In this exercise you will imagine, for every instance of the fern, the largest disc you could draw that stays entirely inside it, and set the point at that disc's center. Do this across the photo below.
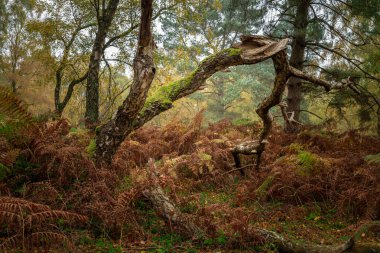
(13, 112)
(373, 158)
(30, 225)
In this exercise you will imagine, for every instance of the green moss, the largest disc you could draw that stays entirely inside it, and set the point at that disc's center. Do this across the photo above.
(242, 122)
(373, 158)
(307, 162)
(296, 147)
(205, 156)
(233, 51)
(263, 188)
(91, 148)
(126, 184)
(165, 95)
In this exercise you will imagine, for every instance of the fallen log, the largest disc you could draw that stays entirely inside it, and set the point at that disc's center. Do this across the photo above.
(165, 208)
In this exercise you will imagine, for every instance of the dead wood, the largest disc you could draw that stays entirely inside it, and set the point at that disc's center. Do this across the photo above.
(167, 209)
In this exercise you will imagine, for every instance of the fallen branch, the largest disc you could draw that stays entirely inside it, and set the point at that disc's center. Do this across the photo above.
(167, 209)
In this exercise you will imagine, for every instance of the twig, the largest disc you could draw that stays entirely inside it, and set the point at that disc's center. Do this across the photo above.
(236, 169)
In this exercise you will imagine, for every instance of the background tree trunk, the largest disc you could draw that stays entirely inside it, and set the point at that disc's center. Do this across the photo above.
(92, 92)
(297, 58)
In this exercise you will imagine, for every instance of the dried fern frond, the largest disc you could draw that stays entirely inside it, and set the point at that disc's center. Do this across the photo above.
(48, 238)
(8, 158)
(8, 217)
(373, 158)
(69, 217)
(11, 107)
(23, 204)
(12, 242)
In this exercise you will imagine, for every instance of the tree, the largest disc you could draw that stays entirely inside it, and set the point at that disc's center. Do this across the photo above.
(118, 37)
(105, 13)
(365, 106)
(136, 109)
(320, 30)
(64, 33)
(14, 43)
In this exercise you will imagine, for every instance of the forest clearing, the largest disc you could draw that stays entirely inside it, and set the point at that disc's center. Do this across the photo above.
(190, 126)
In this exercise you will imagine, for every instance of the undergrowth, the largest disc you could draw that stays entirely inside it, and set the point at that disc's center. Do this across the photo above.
(304, 179)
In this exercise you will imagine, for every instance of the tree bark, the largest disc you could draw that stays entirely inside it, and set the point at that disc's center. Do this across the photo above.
(14, 86)
(297, 58)
(378, 121)
(135, 113)
(137, 110)
(114, 132)
(60, 106)
(92, 91)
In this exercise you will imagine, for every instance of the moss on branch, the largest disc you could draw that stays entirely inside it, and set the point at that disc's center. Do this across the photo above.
(165, 95)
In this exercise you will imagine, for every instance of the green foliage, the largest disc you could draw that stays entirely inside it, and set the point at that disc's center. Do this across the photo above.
(107, 247)
(189, 207)
(264, 187)
(373, 158)
(296, 147)
(367, 8)
(220, 240)
(126, 184)
(242, 122)
(91, 148)
(167, 242)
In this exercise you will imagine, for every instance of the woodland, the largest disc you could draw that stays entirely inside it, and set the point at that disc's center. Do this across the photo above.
(190, 126)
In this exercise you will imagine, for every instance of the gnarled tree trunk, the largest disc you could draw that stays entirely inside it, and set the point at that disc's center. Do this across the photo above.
(114, 132)
(135, 111)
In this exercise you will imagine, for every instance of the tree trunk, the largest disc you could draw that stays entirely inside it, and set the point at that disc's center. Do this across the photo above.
(92, 91)
(378, 121)
(14, 86)
(57, 92)
(135, 111)
(297, 57)
(113, 133)
(58, 105)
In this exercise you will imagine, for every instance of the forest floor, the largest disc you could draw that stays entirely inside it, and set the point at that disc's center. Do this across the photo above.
(314, 187)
